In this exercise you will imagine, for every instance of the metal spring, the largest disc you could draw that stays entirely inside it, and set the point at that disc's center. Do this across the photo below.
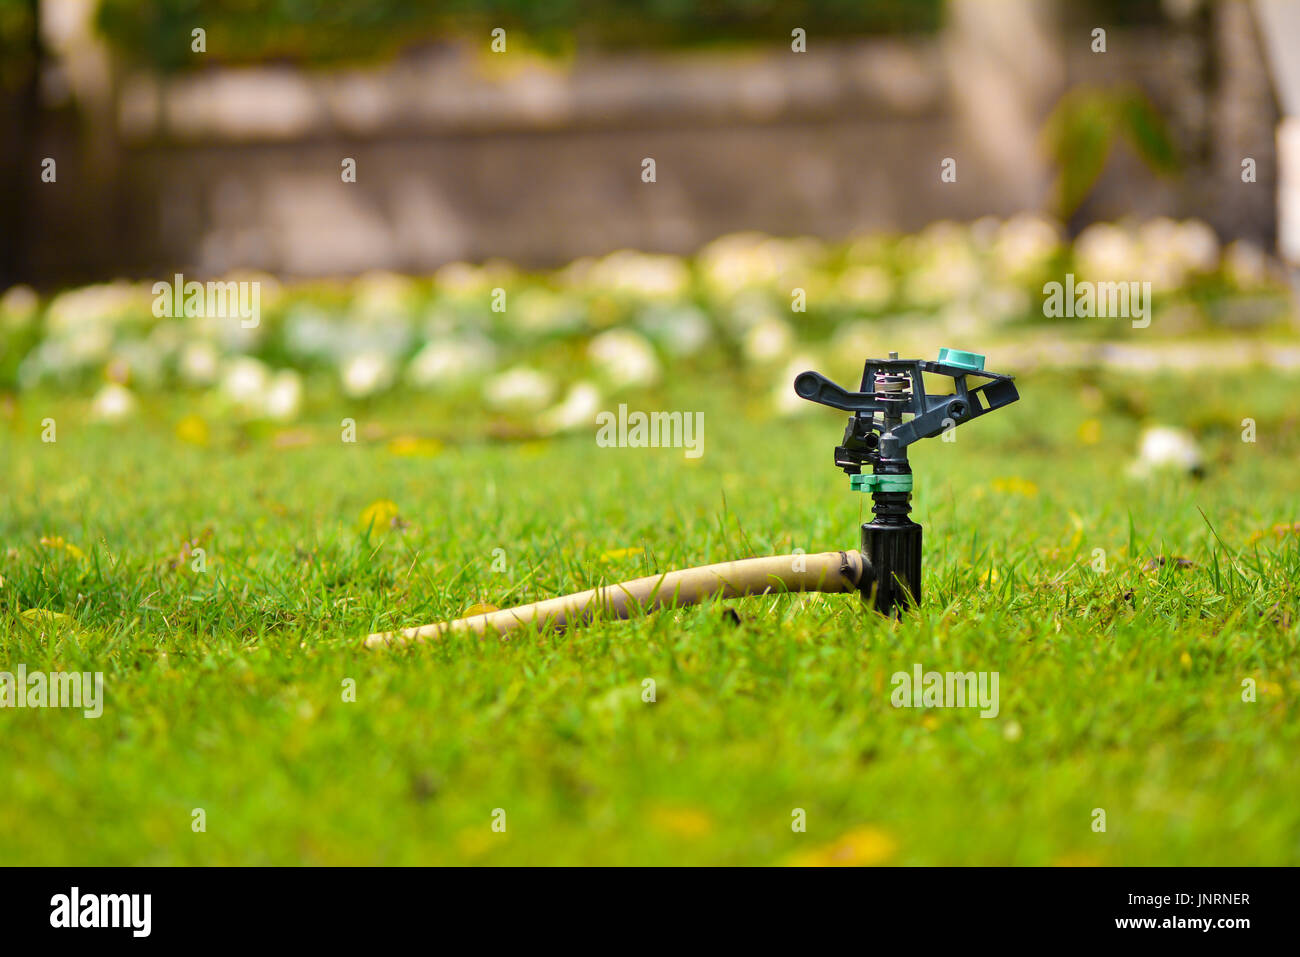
(891, 386)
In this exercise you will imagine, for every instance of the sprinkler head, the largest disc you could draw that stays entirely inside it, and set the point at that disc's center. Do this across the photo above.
(890, 411)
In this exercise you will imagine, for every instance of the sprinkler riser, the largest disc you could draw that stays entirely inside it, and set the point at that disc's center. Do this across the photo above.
(891, 553)
(891, 548)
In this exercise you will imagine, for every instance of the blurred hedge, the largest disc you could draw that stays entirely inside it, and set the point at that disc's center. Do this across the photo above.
(17, 48)
(157, 32)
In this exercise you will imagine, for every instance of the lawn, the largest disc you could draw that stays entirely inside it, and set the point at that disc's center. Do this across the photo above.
(226, 687)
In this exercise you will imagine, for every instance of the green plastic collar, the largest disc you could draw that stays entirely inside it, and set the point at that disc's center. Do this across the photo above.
(880, 483)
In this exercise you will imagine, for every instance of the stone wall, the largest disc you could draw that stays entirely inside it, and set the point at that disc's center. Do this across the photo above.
(462, 154)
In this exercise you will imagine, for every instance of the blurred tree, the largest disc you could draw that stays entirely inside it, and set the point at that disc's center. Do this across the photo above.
(1082, 129)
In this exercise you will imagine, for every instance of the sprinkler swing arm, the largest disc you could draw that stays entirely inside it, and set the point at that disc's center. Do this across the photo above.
(865, 439)
(885, 571)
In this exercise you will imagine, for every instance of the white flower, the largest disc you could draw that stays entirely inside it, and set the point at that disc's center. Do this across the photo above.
(578, 409)
(624, 358)
(784, 399)
(282, 400)
(768, 340)
(88, 346)
(465, 280)
(868, 287)
(639, 274)
(310, 333)
(387, 335)
(459, 277)
(59, 356)
(682, 330)
(1105, 252)
(732, 263)
(251, 388)
(1167, 447)
(1001, 303)
(102, 305)
(1196, 245)
(947, 267)
(440, 364)
(1024, 243)
(1169, 250)
(367, 373)
(112, 403)
(244, 382)
(35, 364)
(519, 388)
(198, 363)
(379, 293)
(541, 311)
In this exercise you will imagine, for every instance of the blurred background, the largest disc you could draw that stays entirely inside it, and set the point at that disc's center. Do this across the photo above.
(798, 146)
(230, 506)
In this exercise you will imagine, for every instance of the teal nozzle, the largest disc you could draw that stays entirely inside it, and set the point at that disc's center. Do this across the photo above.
(962, 360)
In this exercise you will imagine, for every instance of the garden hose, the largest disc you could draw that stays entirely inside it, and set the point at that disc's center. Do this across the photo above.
(831, 572)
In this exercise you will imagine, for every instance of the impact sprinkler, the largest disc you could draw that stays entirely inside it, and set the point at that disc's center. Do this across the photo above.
(878, 436)
(886, 570)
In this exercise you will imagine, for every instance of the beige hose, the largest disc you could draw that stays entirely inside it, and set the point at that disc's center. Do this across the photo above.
(824, 572)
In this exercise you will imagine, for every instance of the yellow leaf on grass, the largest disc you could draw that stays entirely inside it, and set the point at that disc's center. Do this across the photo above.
(1090, 431)
(984, 576)
(1078, 859)
(1077, 522)
(411, 446)
(44, 615)
(482, 608)
(57, 542)
(620, 553)
(861, 847)
(193, 430)
(1015, 486)
(1279, 531)
(477, 841)
(378, 515)
(681, 821)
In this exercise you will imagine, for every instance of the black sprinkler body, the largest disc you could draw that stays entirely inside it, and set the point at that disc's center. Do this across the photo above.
(878, 436)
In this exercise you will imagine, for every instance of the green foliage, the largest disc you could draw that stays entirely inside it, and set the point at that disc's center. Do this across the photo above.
(1081, 133)
(157, 32)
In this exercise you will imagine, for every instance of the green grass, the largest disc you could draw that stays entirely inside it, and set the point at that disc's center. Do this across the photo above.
(224, 689)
